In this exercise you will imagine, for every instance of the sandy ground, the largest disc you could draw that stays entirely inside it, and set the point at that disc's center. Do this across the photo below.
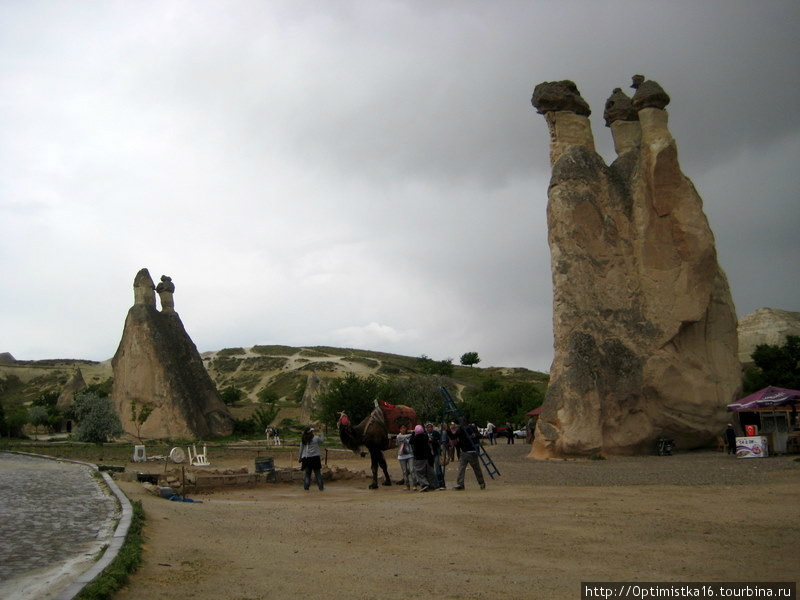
(537, 531)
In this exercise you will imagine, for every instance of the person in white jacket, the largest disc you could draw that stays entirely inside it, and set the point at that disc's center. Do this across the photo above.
(310, 457)
(405, 457)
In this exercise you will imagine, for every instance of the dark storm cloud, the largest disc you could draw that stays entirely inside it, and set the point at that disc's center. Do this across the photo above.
(359, 172)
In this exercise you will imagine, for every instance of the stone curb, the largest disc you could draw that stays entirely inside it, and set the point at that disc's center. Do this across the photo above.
(117, 540)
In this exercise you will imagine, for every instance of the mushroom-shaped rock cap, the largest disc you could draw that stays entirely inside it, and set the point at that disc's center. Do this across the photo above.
(551, 96)
(619, 108)
(648, 94)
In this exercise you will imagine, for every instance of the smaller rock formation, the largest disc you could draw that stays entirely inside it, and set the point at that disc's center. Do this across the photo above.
(566, 113)
(165, 290)
(158, 365)
(623, 120)
(765, 326)
(619, 108)
(553, 96)
(75, 384)
(7, 358)
(315, 386)
(649, 94)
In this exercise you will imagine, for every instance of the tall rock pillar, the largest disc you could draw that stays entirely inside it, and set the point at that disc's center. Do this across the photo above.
(158, 365)
(643, 320)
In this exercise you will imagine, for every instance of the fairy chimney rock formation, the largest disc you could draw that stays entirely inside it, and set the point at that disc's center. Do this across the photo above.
(158, 365)
(165, 290)
(643, 320)
(75, 384)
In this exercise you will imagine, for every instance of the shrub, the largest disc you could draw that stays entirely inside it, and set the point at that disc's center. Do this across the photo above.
(264, 363)
(245, 427)
(275, 350)
(38, 416)
(268, 396)
(231, 395)
(97, 418)
(230, 351)
(225, 364)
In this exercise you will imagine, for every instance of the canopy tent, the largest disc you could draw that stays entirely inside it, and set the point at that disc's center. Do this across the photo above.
(767, 398)
(535, 412)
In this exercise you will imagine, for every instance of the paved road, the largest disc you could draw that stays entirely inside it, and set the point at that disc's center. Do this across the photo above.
(54, 518)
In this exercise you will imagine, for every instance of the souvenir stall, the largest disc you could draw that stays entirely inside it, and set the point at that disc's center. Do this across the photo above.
(769, 420)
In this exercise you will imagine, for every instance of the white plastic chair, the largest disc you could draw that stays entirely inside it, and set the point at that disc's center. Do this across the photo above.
(198, 460)
(139, 454)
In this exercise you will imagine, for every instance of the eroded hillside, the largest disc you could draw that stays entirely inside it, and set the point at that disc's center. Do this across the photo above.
(290, 375)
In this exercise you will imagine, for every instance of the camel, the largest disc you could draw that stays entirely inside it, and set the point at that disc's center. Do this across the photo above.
(373, 433)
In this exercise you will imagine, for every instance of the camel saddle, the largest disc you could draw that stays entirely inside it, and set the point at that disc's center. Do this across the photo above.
(397, 415)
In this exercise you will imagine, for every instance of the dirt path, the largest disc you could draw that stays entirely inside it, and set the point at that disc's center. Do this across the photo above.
(538, 531)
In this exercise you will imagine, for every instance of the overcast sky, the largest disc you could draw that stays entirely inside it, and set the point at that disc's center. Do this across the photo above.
(359, 174)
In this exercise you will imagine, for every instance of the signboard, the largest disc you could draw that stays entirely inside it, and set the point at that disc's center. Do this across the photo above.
(752, 447)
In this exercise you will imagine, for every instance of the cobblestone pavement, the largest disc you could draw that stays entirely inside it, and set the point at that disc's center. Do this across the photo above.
(54, 518)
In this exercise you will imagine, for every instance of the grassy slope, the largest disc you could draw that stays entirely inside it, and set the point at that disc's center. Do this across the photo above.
(282, 369)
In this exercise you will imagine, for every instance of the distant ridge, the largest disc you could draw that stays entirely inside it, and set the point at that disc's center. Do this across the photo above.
(765, 326)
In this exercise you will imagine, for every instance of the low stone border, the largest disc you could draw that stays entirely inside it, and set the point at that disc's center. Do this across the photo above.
(201, 480)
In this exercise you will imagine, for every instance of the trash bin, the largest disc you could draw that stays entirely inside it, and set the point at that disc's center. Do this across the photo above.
(264, 465)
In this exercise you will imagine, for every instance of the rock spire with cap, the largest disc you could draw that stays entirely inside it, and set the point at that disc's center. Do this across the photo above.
(158, 365)
(643, 320)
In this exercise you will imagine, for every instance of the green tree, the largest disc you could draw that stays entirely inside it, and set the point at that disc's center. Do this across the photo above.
(420, 392)
(3, 425)
(351, 394)
(97, 419)
(263, 416)
(231, 395)
(54, 420)
(16, 420)
(38, 416)
(499, 403)
(774, 365)
(140, 414)
(469, 359)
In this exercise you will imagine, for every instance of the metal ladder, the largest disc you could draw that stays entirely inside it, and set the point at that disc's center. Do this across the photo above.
(450, 408)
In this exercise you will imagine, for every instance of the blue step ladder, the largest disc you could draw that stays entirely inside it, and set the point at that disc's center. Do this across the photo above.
(450, 408)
